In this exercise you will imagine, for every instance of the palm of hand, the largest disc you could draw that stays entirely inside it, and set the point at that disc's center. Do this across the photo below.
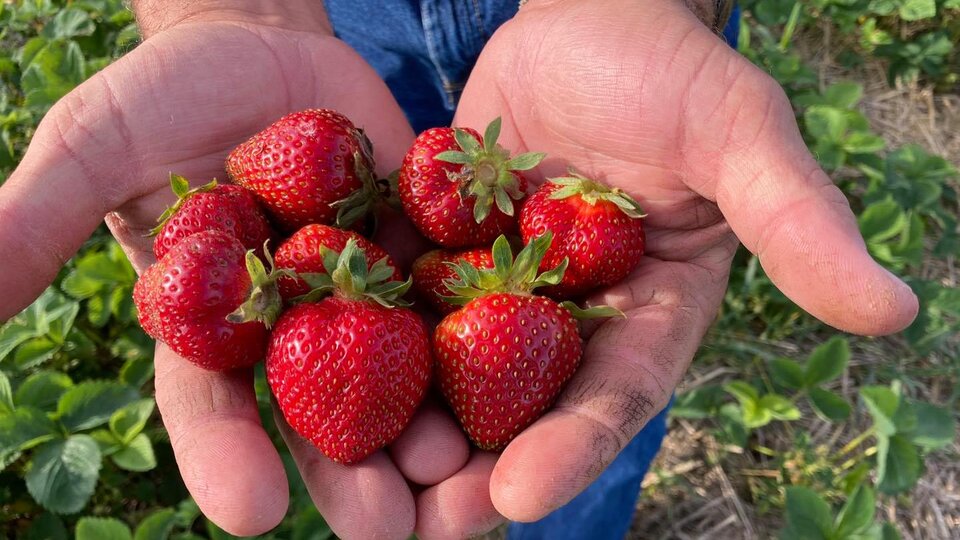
(192, 106)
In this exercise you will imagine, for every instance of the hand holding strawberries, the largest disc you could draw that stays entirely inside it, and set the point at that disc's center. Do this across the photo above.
(641, 95)
(635, 94)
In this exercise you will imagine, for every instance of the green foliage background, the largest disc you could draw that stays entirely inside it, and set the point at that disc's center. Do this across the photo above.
(82, 454)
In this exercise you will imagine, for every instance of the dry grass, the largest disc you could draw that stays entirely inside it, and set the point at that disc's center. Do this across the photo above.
(696, 489)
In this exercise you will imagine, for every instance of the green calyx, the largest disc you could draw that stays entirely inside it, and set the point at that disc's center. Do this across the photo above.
(181, 188)
(592, 192)
(487, 169)
(264, 303)
(508, 275)
(520, 275)
(348, 275)
(363, 201)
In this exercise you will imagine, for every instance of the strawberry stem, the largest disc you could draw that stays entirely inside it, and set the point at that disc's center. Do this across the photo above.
(349, 276)
(181, 188)
(486, 171)
(263, 302)
(594, 191)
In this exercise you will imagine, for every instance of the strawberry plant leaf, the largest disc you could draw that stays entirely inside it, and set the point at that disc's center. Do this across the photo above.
(156, 526)
(95, 528)
(35, 352)
(91, 403)
(136, 371)
(916, 10)
(136, 456)
(786, 373)
(808, 516)
(881, 221)
(828, 405)
(43, 389)
(826, 123)
(889, 532)
(53, 70)
(67, 23)
(6, 394)
(931, 427)
(703, 402)
(882, 403)
(899, 465)
(47, 526)
(64, 473)
(21, 430)
(732, 428)
(856, 516)
(780, 407)
(827, 362)
(310, 525)
(127, 422)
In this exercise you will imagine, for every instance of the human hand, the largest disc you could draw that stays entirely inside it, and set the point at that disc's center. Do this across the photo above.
(643, 96)
(179, 102)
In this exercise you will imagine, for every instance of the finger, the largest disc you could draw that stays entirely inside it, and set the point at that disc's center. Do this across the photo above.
(460, 507)
(432, 448)
(631, 366)
(225, 457)
(369, 499)
(781, 204)
(55, 198)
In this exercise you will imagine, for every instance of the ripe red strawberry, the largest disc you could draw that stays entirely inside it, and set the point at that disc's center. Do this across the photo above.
(301, 253)
(349, 371)
(210, 301)
(312, 166)
(431, 270)
(597, 228)
(504, 357)
(459, 189)
(223, 207)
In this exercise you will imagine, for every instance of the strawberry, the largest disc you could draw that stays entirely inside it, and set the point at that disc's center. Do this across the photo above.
(223, 207)
(301, 254)
(459, 189)
(504, 357)
(432, 269)
(349, 371)
(210, 301)
(598, 229)
(312, 166)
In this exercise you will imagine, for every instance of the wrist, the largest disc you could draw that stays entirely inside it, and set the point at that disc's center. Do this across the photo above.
(154, 16)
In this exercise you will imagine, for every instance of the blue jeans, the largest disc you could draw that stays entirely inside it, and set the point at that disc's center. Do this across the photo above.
(424, 51)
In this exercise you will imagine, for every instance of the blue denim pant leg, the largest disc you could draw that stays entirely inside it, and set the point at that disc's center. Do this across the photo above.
(605, 509)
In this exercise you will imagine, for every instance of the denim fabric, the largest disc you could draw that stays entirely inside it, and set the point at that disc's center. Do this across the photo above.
(605, 509)
(424, 51)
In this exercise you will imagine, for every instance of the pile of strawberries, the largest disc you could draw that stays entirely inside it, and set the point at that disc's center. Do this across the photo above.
(346, 357)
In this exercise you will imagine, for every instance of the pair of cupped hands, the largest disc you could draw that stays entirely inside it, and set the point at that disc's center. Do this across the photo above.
(639, 94)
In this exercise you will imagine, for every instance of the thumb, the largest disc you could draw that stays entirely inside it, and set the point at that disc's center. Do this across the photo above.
(784, 208)
(57, 196)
